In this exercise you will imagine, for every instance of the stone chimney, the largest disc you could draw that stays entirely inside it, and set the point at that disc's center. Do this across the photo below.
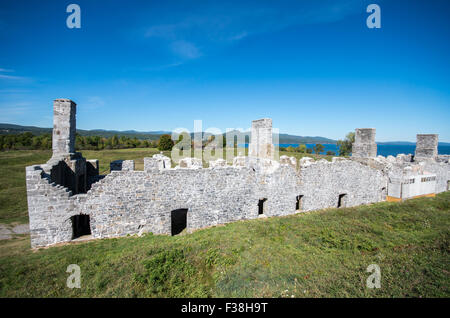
(364, 145)
(261, 139)
(426, 146)
(64, 127)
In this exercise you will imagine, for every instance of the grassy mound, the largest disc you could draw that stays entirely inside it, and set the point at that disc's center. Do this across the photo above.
(318, 254)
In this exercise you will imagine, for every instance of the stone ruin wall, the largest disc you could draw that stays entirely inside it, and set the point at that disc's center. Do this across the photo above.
(134, 202)
(128, 202)
(426, 146)
(261, 144)
(364, 145)
(323, 182)
(50, 207)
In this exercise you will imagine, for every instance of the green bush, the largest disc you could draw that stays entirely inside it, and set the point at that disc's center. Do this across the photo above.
(345, 146)
(318, 148)
(301, 148)
(165, 143)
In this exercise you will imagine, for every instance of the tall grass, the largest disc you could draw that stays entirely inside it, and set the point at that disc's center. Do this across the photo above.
(317, 254)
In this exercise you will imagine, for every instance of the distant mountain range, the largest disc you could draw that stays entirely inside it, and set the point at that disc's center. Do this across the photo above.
(289, 139)
(407, 143)
(397, 143)
(17, 129)
(154, 135)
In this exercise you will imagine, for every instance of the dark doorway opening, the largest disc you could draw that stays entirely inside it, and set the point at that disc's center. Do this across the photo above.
(261, 206)
(179, 220)
(81, 184)
(298, 203)
(342, 201)
(80, 225)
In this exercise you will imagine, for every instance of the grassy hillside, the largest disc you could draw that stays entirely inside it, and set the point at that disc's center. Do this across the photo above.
(318, 254)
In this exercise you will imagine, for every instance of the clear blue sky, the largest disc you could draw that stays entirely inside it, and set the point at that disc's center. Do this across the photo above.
(312, 66)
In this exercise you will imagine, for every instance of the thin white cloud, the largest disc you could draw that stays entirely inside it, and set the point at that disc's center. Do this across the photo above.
(239, 36)
(94, 102)
(10, 112)
(11, 77)
(185, 49)
(162, 67)
(6, 77)
(13, 91)
(167, 31)
(209, 25)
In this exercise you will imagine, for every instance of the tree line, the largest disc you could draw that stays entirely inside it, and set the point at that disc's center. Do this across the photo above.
(344, 147)
(28, 141)
(317, 149)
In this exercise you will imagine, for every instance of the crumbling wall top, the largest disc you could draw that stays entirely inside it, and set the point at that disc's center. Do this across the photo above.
(364, 145)
(365, 135)
(426, 146)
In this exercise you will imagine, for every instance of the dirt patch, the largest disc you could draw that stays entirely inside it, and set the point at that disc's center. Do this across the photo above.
(7, 231)
(21, 229)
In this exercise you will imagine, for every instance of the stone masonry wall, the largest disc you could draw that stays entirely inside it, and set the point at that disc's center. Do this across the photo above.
(442, 171)
(426, 146)
(132, 202)
(49, 209)
(364, 145)
(322, 182)
(135, 202)
(261, 145)
(157, 162)
(121, 165)
(64, 126)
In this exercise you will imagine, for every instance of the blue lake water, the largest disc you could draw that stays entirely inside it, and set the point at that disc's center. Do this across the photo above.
(383, 150)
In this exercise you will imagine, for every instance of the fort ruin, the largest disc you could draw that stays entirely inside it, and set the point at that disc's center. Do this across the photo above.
(68, 199)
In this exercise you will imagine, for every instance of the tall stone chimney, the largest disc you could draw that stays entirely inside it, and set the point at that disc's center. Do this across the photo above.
(426, 146)
(261, 139)
(364, 145)
(64, 127)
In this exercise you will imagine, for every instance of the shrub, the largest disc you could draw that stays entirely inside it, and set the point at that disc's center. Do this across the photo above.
(165, 142)
(345, 146)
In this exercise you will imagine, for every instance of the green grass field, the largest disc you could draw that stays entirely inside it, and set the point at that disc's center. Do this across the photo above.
(317, 254)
